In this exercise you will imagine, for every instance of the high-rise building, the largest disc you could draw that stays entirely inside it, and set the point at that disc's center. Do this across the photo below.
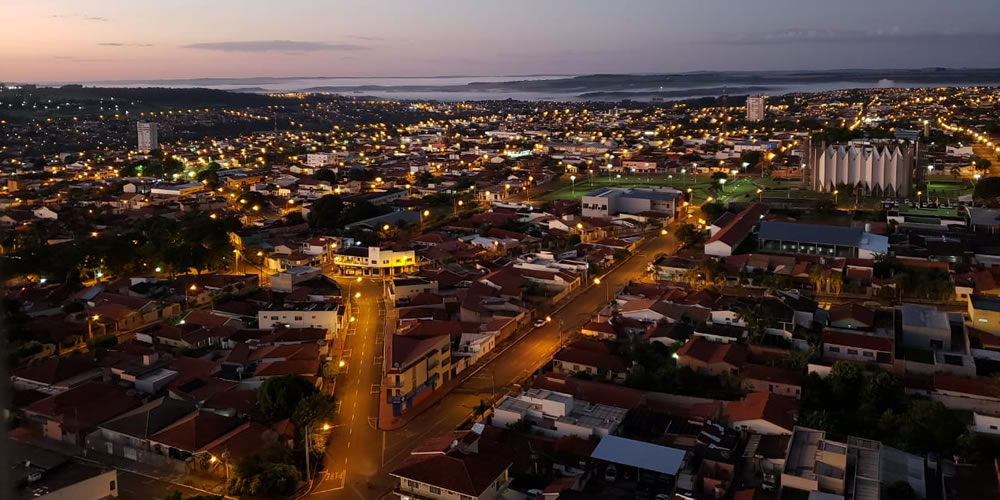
(148, 140)
(755, 108)
(880, 169)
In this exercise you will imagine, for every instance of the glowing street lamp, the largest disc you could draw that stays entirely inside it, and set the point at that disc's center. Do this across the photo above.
(836, 192)
(572, 179)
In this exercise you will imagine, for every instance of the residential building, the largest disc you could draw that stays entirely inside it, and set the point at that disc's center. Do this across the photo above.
(711, 358)
(416, 367)
(755, 107)
(984, 310)
(652, 462)
(302, 315)
(40, 474)
(445, 468)
(402, 290)
(71, 415)
(925, 327)
(607, 202)
(763, 413)
(815, 463)
(852, 345)
(558, 414)
(148, 139)
(592, 357)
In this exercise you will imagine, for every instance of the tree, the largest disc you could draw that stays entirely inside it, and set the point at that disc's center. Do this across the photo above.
(845, 378)
(756, 320)
(326, 212)
(719, 179)
(270, 473)
(817, 276)
(278, 397)
(956, 171)
(689, 235)
(102, 342)
(713, 210)
(325, 174)
(751, 158)
(987, 189)
(982, 164)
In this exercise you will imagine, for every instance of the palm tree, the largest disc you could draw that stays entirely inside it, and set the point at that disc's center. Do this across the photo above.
(835, 283)
(956, 171)
(755, 319)
(816, 276)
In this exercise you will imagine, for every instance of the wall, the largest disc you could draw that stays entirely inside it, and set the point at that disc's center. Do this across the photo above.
(988, 424)
(299, 319)
(95, 488)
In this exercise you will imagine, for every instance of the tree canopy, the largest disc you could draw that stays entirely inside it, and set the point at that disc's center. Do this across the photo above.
(278, 397)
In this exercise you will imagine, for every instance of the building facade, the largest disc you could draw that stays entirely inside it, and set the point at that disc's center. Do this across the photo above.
(147, 140)
(879, 169)
(755, 108)
(607, 202)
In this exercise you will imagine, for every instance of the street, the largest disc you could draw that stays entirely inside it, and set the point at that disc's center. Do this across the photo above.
(359, 457)
(355, 446)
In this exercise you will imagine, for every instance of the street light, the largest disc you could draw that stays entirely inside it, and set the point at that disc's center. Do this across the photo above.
(357, 295)
(572, 179)
(760, 194)
(835, 197)
(919, 194)
(326, 427)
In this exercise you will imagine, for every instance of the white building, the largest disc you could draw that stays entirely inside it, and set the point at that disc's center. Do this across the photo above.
(375, 261)
(606, 202)
(148, 139)
(317, 160)
(557, 414)
(755, 108)
(884, 169)
(307, 315)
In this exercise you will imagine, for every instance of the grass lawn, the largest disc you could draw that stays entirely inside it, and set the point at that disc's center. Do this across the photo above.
(736, 190)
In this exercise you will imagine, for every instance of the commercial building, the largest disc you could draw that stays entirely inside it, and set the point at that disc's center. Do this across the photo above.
(41, 474)
(147, 136)
(880, 169)
(822, 240)
(606, 202)
(416, 367)
(558, 414)
(755, 108)
(177, 190)
(375, 261)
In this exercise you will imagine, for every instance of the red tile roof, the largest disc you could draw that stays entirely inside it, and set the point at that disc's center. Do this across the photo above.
(469, 474)
(84, 406)
(195, 431)
(859, 340)
(739, 227)
(778, 410)
(709, 352)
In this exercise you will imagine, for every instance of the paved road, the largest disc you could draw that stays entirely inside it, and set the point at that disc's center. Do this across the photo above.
(355, 446)
(368, 459)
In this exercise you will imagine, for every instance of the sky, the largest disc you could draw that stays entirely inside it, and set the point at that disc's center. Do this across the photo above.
(92, 40)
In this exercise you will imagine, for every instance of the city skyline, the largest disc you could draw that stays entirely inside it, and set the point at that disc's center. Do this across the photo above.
(59, 41)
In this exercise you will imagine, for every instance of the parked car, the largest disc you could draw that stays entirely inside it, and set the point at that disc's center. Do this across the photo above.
(539, 323)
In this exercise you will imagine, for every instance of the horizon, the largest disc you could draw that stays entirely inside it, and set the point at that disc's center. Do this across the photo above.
(113, 40)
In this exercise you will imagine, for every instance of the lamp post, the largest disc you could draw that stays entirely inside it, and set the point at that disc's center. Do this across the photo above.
(572, 179)
(760, 194)
(90, 325)
(309, 426)
(527, 189)
(684, 172)
(548, 319)
(836, 198)
(458, 203)
(919, 194)
(607, 292)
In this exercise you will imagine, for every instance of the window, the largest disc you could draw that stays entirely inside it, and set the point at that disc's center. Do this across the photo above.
(435, 490)
(413, 484)
(992, 427)
(868, 354)
(274, 318)
(465, 497)
(853, 352)
(937, 344)
(982, 320)
(112, 485)
(298, 318)
(833, 349)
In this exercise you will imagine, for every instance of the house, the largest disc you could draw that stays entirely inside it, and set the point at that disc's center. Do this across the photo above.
(733, 230)
(772, 379)
(851, 315)
(557, 414)
(712, 358)
(592, 357)
(652, 462)
(606, 202)
(302, 315)
(763, 413)
(452, 469)
(41, 474)
(853, 345)
(984, 310)
(128, 435)
(58, 373)
(925, 327)
(416, 367)
(196, 432)
(71, 415)
(815, 463)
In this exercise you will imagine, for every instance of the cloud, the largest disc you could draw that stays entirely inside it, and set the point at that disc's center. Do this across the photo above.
(275, 46)
(83, 17)
(121, 44)
(84, 59)
(885, 35)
